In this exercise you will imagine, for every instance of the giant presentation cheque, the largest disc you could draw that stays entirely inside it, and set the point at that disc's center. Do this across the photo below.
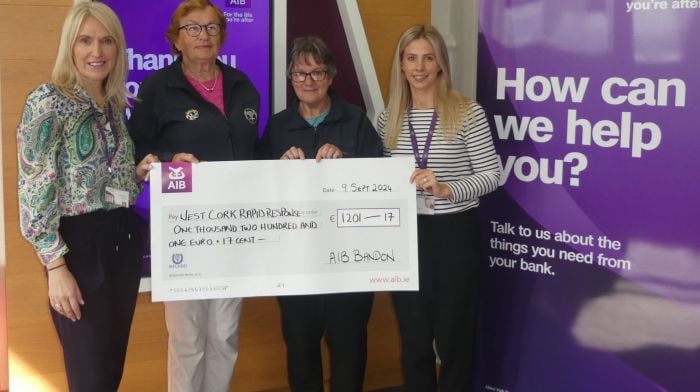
(253, 228)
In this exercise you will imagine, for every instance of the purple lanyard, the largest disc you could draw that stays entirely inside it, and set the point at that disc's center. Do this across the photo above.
(422, 161)
(103, 135)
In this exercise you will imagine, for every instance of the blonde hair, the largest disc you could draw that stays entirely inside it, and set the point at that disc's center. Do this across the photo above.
(449, 103)
(184, 9)
(65, 75)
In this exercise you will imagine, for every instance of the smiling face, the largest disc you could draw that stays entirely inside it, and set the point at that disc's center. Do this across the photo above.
(420, 66)
(204, 47)
(311, 92)
(94, 53)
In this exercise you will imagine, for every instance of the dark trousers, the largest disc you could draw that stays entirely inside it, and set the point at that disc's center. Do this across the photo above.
(445, 307)
(105, 259)
(343, 319)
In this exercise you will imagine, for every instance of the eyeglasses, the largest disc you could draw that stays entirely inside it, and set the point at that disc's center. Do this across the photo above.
(299, 77)
(193, 30)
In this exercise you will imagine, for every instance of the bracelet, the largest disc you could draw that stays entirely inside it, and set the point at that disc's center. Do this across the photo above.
(56, 267)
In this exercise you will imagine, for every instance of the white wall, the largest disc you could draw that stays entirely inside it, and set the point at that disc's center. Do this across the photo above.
(458, 20)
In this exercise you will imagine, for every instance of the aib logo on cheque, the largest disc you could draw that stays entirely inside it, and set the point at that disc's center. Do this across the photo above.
(176, 177)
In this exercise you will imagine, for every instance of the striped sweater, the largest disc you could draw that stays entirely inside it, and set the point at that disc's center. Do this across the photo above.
(468, 164)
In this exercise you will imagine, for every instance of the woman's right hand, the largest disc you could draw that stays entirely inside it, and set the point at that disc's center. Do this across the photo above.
(293, 153)
(64, 295)
(143, 169)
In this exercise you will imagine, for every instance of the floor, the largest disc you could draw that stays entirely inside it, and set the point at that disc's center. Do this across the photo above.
(394, 389)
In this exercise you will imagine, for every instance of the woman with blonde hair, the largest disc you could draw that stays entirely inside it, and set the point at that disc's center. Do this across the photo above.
(76, 182)
(456, 163)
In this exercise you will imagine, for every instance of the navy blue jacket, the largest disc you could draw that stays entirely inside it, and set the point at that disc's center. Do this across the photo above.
(346, 127)
(171, 117)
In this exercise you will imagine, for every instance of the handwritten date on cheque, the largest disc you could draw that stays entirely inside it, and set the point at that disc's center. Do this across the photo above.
(355, 187)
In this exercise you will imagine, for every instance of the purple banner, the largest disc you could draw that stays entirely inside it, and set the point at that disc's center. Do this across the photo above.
(238, 3)
(593, 242)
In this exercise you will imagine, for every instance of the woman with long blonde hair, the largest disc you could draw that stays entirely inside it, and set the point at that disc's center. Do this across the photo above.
(456, 163)
(76, 182)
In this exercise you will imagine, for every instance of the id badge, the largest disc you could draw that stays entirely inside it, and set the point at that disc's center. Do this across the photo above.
(117, 196)
(425, 205)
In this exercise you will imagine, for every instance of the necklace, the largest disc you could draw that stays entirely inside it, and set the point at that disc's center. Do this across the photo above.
(213, 86)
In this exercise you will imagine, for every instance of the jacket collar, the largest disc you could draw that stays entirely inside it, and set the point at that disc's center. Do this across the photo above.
(297, 122)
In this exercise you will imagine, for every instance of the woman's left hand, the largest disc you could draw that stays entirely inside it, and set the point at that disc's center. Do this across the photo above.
(64, 294)
(143, 169)
(328, 151)
(426, 180)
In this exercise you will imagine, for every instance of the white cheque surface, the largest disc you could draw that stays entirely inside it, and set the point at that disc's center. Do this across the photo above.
(258, 228)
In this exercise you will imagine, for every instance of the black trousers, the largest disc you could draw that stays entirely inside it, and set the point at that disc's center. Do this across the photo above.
(444, 310)
(105, 252)
(343, 319)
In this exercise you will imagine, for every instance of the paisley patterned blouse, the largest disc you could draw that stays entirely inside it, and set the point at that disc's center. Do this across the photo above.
(64, 146)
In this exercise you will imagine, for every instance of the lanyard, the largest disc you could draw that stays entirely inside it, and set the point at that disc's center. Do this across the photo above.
(103, 135)
(422, 160)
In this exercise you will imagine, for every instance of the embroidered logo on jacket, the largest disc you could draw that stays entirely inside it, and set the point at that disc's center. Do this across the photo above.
(192, 114)
(251, 115)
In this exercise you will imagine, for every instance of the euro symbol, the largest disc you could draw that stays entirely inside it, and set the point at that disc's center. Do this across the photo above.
(332, 218)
